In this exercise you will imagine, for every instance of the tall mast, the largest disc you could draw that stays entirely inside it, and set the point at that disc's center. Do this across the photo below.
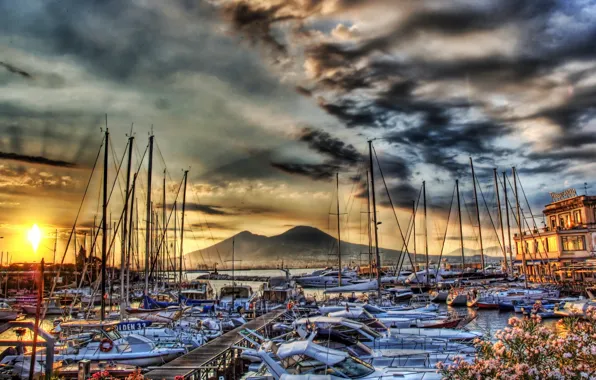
(500, 214)
(123, 254)
(368, 221)
(414, 232)
(148, 217)
(461, 230)
(478, 216)
(519, 225)
(425, 232)
(55, 248)
(182, 232)
(175, 242)
(104, 225)
(338, 232)
(508, 224)
(130, 237)
(164, 231)
(233, 274)
(374, 199)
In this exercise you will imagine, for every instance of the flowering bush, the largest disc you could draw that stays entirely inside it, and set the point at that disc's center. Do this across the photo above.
(529, 350)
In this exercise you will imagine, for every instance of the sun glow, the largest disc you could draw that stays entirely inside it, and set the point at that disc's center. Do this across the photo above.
(34, 237)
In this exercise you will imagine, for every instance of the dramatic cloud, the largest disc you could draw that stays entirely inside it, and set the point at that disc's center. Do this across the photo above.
(35, 160)
(15, 70)
(227, 87)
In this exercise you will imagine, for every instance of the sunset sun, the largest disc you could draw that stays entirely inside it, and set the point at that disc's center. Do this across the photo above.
(34, 237)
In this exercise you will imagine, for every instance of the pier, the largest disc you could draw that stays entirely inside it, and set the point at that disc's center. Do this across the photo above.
(218, 357)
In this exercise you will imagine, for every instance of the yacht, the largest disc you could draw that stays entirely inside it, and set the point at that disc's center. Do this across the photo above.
(306, 359)
(327, 279)
(101, 341)
(233, 297)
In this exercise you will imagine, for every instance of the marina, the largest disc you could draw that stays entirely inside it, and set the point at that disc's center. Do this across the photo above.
(297, 190)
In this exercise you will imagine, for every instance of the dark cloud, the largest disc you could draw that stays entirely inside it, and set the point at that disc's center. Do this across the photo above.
(314, 171)
(35, 160)
(206, 209)
(15, 70)
(323, 142)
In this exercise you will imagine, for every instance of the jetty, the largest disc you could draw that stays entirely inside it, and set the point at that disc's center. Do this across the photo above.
(219, 356)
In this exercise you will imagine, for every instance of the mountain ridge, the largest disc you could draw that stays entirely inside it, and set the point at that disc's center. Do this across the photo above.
(299, 246)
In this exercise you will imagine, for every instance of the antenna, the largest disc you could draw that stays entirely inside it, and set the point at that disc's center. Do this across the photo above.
(586, 188)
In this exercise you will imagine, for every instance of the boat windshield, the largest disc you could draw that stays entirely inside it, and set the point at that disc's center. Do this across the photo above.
(112, 333)
(353, 368)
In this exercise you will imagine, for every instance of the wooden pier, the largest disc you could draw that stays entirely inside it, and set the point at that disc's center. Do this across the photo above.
(217, 357)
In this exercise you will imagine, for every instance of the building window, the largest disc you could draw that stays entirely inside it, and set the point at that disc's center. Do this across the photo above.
(574, 243)
(577, 217)
(551, 243)
(553, 222)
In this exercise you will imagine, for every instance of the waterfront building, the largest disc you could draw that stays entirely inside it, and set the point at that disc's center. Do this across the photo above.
(564, 249)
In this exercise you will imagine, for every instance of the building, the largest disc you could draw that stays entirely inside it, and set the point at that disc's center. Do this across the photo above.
(565, 248)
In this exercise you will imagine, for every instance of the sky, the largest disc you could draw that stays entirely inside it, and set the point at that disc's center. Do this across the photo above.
(264, 101)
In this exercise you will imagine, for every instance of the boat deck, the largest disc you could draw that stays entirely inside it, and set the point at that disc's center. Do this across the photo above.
(200, 357)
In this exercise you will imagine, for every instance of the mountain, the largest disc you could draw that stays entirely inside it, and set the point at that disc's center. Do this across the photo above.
(298, 246)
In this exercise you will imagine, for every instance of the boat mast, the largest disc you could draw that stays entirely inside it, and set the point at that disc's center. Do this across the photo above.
(478, 216)
(519, 225)
(104, 225)
(415, 269)
(166, 272)
(130, 236)
(175, 242)
(372, 184)
(426, 233)
(182, 233)
(500, 214)
(55, 248)
(370, 271)
(338, 232)
(123, 253)
(461, 230)
(233, 276)
(508, 223)
(148, 221)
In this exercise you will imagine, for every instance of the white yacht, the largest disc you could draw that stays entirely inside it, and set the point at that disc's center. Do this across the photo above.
(327, 279)
(101, 341)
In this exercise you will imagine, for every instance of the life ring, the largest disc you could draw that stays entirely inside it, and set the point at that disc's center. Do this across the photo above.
(106, 345)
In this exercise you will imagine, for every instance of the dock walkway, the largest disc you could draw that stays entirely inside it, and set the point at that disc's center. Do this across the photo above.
(211, 356)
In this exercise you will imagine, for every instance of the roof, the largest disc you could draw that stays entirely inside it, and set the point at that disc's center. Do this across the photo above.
(305, 347)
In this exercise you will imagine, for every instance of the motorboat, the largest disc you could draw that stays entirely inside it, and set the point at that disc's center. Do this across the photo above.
(327, 279)
(575, 308)
(457, 297)
(400, 294)
(101, 341)
(7, 312)
(234, 297)
(305, 359)
(197, 292)
(279, 290)
(359, 286)
(52, 306)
